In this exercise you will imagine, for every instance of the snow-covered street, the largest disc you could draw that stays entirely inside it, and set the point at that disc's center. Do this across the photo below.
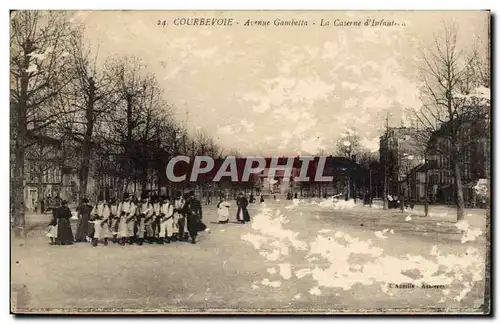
(294, 255)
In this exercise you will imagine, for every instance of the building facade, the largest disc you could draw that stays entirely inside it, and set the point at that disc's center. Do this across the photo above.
(43, 170)
(472, 157)
(400, 151)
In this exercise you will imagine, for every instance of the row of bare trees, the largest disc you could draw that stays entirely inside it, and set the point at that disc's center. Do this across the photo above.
(112, 117)
(455, 98)
(455, 108)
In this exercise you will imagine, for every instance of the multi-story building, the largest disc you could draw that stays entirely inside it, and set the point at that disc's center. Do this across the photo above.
(43, 169)
(472, 157)
(400, 151)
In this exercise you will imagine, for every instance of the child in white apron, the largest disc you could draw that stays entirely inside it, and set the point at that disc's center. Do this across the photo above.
(223, 211)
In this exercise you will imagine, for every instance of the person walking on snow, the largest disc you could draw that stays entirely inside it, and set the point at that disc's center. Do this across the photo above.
(242, 215)
(126, 210)
(101, 214)
(223, 211)
(166, 220)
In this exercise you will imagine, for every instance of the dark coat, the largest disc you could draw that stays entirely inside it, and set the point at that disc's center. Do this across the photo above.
(194, 215)
(64, 232)
(84, 227)
(242, 203)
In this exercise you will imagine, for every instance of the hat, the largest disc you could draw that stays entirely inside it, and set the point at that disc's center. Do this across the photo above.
(126, 195)
(64, 203)
(100, 197)
(85, 201)
(144, 195)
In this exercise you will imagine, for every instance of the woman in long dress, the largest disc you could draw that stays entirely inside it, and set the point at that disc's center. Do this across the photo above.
(84, 226)
(223, 211)
(64, 232)
(242, 215)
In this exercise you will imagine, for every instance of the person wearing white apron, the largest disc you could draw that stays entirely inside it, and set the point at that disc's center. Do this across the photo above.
(156, 202)
(223, 211)
(115, 219)
(145, 211)
(166, 221)
(127, 211)
(150, 221)
(101, 214)
(179, 218)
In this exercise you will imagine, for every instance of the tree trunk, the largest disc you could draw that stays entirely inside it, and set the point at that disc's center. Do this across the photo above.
(18, 207)
(385, 189)
(17, 200)
(84, 172)
(87, 141)
(459, 192)
(39, 188)
(426, 199)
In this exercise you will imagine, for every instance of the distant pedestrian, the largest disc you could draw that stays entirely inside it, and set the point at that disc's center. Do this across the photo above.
(261, 199)
(242, 215)
(64, 232)
(223, 211)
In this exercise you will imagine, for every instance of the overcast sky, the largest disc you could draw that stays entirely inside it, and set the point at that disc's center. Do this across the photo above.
(282, 90)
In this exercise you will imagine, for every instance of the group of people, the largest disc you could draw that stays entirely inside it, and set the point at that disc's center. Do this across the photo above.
(242, 215)
(152, 219)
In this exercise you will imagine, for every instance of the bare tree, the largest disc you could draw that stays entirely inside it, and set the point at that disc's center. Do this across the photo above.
(90, 95)
(348, 145)
(449, 79)
(124, 122)
(38, 69)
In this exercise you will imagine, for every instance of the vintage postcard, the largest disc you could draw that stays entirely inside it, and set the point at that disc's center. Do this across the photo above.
(249, 162)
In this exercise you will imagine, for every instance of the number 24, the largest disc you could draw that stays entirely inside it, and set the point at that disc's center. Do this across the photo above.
(162, 23)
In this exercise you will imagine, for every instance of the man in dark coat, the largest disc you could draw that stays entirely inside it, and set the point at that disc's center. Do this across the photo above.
(242, 215)
(194, 215)
(64, 232)
(85, 228)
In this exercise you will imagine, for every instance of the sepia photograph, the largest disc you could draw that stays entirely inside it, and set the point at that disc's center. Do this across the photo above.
(250, 162)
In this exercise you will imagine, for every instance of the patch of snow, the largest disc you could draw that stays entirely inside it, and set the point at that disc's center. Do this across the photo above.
(302, 273)
(286, 270)
(269, 283)
(380, 235)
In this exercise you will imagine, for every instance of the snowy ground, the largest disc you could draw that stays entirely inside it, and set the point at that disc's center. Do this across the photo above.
(293, 256)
